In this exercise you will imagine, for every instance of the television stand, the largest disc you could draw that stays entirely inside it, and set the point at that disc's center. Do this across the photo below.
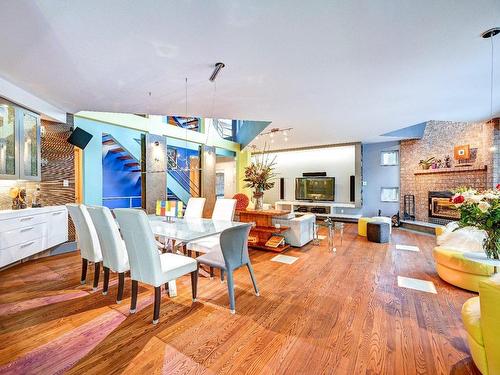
(320, 209)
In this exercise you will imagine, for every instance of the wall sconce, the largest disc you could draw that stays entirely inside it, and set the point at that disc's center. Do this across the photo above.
(156, 151)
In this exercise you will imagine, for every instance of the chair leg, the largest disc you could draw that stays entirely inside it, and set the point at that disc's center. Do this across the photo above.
(97, 269)
(230, 290)
(197, 253)
(84, 271)
(190, 253)
(194, 282)
(105, 283)
(121, 284)
(156, 311)
(166, 287)
(221, 276)
(211, 272)
(133, 300)
(252, 276)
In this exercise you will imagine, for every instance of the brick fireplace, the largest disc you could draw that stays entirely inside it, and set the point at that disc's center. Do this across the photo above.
(439, 140)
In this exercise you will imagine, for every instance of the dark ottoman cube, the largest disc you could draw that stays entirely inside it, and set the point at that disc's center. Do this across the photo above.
(378, 232)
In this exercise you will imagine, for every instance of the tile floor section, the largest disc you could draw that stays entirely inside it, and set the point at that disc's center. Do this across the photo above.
(287, 259)
(416, 284)
(407, 247)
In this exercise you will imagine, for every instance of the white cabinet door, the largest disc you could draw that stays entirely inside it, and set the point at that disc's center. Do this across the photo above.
(58, 227)
(14, 253)
(21, 235)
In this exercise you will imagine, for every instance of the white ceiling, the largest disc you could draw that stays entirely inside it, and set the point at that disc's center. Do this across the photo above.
(335, 71)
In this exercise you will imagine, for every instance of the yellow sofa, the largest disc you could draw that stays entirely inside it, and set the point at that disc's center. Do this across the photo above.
(481, 318)
(455, 269)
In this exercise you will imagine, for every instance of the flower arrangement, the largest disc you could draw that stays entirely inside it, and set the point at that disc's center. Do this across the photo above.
(481, 210)
(258, 176)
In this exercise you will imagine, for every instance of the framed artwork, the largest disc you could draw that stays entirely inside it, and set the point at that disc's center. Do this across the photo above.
(462, 152)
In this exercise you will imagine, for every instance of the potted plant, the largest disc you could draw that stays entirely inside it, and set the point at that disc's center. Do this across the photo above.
(258, 176)
(426, 164)
(481, 210)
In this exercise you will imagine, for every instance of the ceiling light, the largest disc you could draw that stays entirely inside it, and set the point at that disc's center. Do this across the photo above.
(216, 71)
(489, 34)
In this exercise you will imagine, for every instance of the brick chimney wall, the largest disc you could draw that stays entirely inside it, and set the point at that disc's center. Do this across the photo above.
(439, 140)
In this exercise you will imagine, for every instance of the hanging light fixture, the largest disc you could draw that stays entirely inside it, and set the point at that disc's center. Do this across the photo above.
(489, 34)
(217, 68)
(275, 131)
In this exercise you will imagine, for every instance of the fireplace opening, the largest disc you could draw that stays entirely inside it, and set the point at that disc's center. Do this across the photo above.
(441, 210)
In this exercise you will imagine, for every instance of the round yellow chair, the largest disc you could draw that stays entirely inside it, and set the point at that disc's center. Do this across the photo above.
(455, 269)
(481, 318)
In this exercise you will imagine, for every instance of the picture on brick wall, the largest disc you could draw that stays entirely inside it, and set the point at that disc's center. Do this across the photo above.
(462, 152)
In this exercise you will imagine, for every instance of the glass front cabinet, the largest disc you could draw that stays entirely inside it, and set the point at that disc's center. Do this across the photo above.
(19, 143)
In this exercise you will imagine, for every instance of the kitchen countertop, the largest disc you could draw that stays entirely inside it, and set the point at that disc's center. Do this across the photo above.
(9, 214)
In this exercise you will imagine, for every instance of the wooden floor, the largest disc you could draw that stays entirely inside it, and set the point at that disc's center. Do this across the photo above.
(326, 313)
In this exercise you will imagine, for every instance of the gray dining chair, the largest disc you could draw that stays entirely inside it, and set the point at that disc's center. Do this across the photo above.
(234, 254)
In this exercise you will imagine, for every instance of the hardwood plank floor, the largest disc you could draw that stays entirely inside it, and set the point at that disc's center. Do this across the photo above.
(326, 313)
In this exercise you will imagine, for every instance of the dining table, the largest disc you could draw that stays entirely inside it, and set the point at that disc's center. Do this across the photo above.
(184, 230)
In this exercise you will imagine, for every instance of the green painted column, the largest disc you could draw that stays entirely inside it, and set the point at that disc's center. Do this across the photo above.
(243, 159)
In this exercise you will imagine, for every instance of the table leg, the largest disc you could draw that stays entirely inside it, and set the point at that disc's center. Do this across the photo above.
(331, 240)
(172, 288)
(316, 241)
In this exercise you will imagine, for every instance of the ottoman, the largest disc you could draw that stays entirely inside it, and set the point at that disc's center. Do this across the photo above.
(383, 219)
(378, 232)
(362, 221)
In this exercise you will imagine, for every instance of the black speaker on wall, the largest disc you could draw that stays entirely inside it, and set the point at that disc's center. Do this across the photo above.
(352, 184)
(314, 174)
(282, 188)
(80, 138)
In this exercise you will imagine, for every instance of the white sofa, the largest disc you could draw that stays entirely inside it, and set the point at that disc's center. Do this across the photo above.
(301, 229)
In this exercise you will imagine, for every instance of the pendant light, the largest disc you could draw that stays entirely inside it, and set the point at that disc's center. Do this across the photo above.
(489, 34)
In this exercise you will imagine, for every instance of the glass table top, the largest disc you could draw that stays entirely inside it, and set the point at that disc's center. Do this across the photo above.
(186, 230)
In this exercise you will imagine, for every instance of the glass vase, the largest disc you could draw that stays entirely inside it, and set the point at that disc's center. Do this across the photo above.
(259, 200)
(491, 244)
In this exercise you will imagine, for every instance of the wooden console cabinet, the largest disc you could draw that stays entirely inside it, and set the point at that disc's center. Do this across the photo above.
(264, 227)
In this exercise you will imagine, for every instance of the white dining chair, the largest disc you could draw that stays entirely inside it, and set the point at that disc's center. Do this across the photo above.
(87, 239)
(194, 208)
(224, 209)
(114, 253)
(146, 264)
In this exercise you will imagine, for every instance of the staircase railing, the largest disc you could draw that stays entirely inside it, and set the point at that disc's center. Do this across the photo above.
(183, 178)
(224, 128)
(129, 198)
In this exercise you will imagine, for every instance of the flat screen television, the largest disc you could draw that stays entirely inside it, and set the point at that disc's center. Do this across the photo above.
(315, 188)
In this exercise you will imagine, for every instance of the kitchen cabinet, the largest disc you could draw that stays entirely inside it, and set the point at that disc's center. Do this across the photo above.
(20, 143)
(29, 231)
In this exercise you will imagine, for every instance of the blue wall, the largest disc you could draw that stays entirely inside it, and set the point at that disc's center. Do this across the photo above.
(92, 155)
(119, 181)
(377, 176)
